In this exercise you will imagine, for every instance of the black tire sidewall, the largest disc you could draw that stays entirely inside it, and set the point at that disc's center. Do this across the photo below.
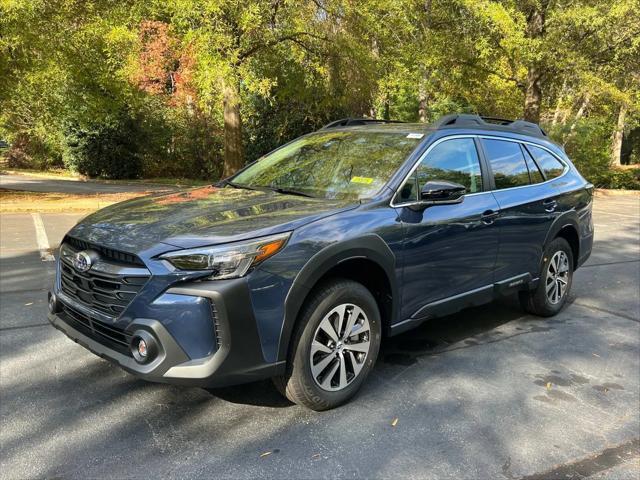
(546, 307)
(329, 296)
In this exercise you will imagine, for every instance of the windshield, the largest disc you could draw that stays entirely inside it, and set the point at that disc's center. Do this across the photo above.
(331, 164)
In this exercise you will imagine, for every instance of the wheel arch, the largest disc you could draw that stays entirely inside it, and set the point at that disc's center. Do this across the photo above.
(566, 226)
(367, 259)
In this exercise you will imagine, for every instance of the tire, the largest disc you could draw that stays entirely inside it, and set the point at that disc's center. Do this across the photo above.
(540, 301)
(309, 380)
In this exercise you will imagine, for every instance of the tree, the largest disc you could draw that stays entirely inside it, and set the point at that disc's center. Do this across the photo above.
(227, 35)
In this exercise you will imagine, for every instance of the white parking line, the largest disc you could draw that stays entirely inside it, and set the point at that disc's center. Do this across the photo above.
(41, 238)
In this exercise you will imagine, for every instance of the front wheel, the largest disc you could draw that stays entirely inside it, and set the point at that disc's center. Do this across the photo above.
(334, 346)
(555, 281)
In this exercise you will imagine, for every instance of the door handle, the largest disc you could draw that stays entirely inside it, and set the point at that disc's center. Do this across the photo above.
(550, 205)
(489, 216)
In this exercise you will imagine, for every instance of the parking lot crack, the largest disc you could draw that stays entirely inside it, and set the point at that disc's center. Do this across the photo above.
(21, 327)
(591, 465)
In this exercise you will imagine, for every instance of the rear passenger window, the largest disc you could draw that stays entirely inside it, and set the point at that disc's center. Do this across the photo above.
(534, 171)
(507, 162)
(550, 165)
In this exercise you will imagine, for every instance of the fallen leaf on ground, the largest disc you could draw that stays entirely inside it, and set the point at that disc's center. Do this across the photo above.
(395, 422)
(548, 385)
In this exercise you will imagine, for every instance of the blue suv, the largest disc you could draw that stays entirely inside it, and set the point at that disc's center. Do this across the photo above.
(299, 265)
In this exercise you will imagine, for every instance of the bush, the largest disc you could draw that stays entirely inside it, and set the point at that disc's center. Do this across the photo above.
(182, 144)
(589, 147)
(110, 149)
(29, 151)
(625, 178)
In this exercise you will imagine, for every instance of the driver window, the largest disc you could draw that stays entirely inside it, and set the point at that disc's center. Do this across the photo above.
(454, 160)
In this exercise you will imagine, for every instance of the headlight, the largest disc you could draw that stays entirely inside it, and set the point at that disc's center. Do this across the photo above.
(228, 261)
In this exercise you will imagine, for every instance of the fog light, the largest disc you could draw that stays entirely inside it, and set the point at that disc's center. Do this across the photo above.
(54, 306)
(142, 348)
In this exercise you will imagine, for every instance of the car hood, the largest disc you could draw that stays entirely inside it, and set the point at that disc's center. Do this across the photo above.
(198, 217)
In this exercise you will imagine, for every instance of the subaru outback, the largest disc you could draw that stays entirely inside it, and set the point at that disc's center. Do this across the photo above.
(298, 266)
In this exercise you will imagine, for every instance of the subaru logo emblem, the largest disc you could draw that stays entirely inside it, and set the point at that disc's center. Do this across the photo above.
(82, 261)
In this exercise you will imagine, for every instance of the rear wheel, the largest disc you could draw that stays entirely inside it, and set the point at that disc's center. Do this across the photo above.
(555, 281)
(334, 346)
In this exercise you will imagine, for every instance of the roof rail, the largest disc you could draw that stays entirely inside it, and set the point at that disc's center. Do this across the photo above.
(350, 122)
(470, 120)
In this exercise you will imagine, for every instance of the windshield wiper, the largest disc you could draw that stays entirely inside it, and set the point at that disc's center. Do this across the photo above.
(239, 185)
(284, 191)
(287, 191)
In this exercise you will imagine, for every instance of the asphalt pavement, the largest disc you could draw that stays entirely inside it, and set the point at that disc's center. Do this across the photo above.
(34, 183)
(489, 393)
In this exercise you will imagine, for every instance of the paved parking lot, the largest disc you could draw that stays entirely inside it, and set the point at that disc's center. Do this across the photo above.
(487, 393)
(71, 185)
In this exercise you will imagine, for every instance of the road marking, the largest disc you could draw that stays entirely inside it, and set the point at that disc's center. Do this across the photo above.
(41, 238)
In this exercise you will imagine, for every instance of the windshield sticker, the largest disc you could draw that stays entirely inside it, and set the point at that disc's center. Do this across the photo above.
(365, 180)
(415, 135)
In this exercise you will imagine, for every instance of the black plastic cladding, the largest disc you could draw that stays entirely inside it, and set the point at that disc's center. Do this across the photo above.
(468, 120)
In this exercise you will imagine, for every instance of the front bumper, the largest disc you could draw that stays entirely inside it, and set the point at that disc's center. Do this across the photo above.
(236, 358)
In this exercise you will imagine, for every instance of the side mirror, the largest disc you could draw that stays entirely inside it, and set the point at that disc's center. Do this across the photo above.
(442, 191)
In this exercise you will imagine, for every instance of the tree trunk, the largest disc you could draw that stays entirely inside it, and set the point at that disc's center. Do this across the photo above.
(561, 95)
(533, 87)
(533, 95)
(584, 104)
(386, 114)
(233, 150)
(586, 98)
(422, 105)
(423, 93)
(618, 135)
(423, 99)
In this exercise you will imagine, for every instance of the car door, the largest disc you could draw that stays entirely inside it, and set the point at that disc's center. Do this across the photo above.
(527, 208)
(449, 250)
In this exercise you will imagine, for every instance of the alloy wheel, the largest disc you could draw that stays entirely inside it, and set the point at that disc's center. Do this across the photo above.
(557, 279)
(340, 347)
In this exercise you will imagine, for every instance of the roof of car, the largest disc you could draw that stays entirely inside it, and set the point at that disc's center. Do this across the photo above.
(453, 121)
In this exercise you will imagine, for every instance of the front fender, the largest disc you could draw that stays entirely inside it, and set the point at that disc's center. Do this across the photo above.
(371, 247)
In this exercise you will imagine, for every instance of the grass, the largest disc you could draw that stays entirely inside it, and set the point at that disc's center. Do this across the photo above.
(52, 173)
(14, 201)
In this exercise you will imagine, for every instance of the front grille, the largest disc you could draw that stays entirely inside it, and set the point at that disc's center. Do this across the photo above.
(108, 293)
(109, 335)
(106, 253)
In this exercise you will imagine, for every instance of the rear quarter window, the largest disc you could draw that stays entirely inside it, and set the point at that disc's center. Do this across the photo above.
(550, 165)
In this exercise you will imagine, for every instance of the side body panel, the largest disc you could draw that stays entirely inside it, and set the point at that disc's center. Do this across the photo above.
(448, 250)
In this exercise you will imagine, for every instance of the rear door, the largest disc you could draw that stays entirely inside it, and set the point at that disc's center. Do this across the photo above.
(527, 207)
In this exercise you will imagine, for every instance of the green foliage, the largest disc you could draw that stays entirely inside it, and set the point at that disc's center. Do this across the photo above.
(587, 145)
(628, 179)
(182, 145)
(108, 150)
(135, 88)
